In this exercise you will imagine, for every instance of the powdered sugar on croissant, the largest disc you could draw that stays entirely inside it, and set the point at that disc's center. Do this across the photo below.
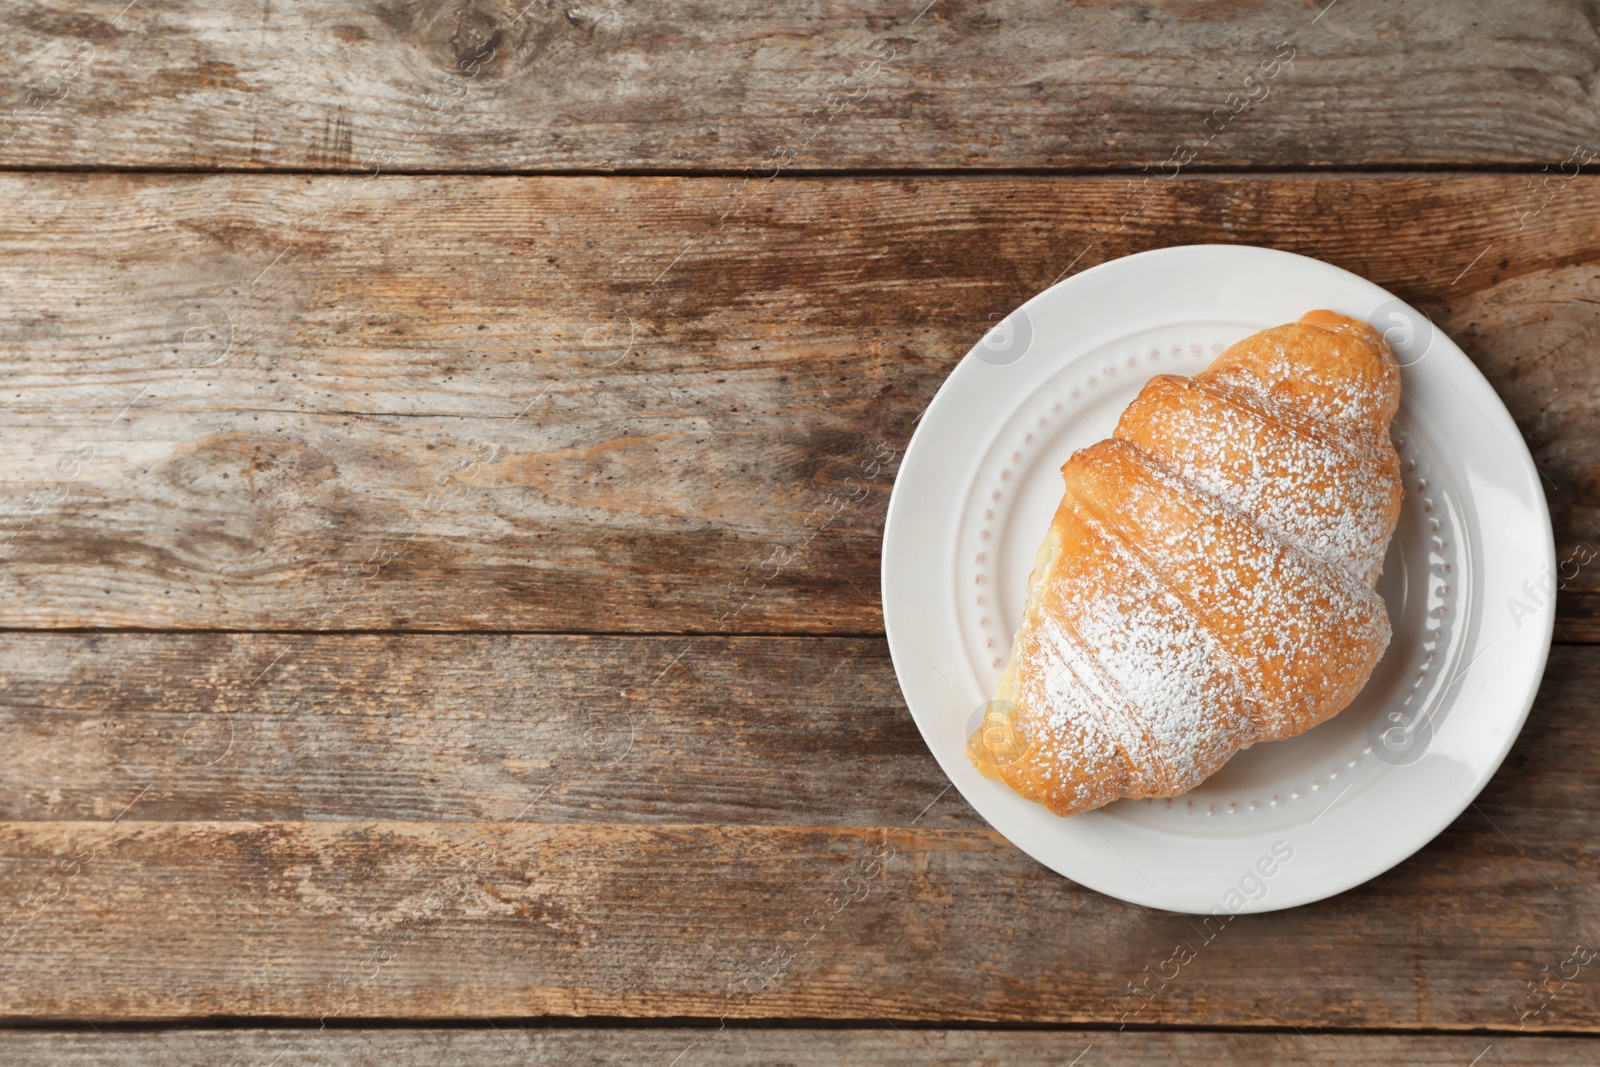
(1207, 581)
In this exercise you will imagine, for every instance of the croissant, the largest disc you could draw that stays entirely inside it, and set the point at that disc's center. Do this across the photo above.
(1207, 581)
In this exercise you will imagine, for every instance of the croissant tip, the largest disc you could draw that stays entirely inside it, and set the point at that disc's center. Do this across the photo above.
(1324, 317)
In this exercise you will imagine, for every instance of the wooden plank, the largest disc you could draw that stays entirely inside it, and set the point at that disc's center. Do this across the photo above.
(252, 402)
(461, 729)
(717, 84)
(874, 902)
(345, 920)
(905, 1047)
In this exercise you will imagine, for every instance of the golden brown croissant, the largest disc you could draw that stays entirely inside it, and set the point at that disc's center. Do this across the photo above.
(1207, 581)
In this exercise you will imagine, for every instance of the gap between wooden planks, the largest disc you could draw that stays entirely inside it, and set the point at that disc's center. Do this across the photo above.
(580, 405)
(405, 827)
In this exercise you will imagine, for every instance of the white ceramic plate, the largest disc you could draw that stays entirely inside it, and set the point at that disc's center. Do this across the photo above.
(1468, 582)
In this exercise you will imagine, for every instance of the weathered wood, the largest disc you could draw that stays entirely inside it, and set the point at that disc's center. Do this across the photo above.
(878, 890)
(390, 920)
(901, 1047)
(580, 405)
(243, 403)
(497, 84)
(456, 728)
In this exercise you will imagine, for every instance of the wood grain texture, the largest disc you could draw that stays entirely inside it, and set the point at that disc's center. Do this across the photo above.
(608, 408)
(879, 894)
(461, 729)
(252, 402)
(497, 84)
(503, 1043)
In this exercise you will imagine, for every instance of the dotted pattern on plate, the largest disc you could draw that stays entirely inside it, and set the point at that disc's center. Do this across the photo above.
(1429, 612)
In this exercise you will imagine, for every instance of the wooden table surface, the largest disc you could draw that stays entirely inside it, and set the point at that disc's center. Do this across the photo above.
(445, 446)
